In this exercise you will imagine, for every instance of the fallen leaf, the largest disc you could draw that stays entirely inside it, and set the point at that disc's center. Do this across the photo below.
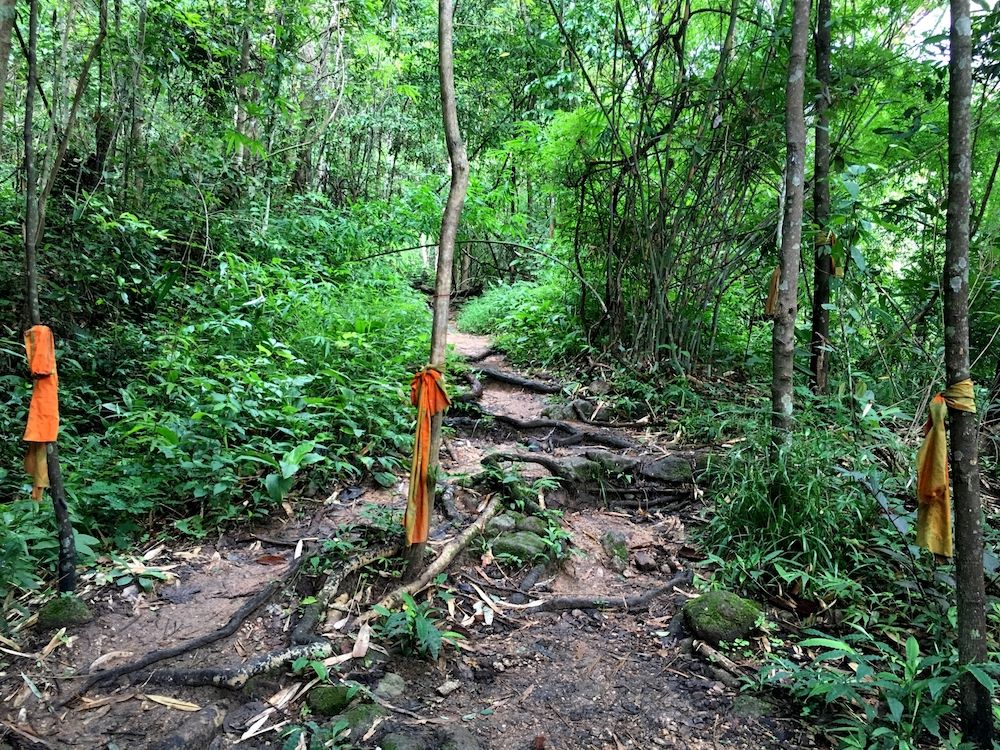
(271, 560)
(166, 700)
(361, 644)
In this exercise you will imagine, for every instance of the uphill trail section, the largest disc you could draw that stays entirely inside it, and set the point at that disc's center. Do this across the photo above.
(571, 634)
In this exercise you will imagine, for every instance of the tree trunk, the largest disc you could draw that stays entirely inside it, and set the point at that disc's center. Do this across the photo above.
(819, 364)
(783, 335)
(449, 230)
(7, 12)
(32, 233)
(975, 704)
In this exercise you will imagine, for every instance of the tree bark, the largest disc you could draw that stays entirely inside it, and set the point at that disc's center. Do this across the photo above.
(32, 232)
(783, 334)
(449, 231)
(975, 703)
(7, 13)
(823, 270)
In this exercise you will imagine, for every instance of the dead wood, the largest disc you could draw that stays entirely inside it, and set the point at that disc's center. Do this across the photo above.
(727, 672)
(237, 677)
(231, 626)
(441, 562)
(628, 604)
(510, 378)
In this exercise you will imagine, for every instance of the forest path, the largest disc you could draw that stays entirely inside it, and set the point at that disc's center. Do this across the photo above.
(583, 678)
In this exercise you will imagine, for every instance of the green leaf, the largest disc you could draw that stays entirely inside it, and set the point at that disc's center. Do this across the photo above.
(981, 677)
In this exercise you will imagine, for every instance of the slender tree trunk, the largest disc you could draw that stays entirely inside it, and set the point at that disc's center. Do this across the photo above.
(7, 13)
(823, 271)
(449, 231)
(783, 335)
(32, 232)
(975, 704)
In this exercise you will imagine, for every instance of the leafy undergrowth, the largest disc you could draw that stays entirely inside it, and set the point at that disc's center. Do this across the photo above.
(869, 646)
(278, 355)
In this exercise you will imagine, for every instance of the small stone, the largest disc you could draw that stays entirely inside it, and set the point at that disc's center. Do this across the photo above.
(645, 561)
(64, 611)
(390, 686)
(720, 616)
(522, 545)
(328, 700)
(615, 545)
(599, 387)
(502, 524)
(534, 524)
(400, 741)
(449, 687)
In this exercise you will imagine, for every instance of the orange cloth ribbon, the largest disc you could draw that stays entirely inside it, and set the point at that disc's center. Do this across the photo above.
(43, 414)
(933, 493)
(427, 393)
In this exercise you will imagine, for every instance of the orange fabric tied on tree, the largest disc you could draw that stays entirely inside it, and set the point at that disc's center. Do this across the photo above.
(427, 393)
(933, 493)
(43, 414)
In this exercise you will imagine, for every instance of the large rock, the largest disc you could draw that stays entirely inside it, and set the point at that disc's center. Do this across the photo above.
(671, 470)
(720, 616)
(523, 545)
(534, 524)
(502, 524)
(62, 612)
(328, 700)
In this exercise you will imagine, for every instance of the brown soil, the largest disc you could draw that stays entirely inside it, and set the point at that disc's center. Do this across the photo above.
(562, 680)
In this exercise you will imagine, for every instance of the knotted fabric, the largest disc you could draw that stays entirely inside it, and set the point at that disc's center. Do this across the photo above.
(427, 393)
(933, 493)
(43, 414)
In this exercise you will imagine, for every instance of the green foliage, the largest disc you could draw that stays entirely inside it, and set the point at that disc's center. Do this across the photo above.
(534, 322)
(414, 628)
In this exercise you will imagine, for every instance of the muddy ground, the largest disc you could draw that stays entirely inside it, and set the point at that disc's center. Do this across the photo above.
(522, 679)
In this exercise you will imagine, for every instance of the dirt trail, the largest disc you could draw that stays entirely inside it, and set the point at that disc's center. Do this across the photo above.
(575, 679)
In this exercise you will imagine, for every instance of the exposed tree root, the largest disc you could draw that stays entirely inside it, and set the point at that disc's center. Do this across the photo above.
(628, 604)
(441, 562)
(529, 385)
(237, 677)
(556, 468)
(305, 630)
(233, 624)
(475, 390)
(574, 435)
(483, 355)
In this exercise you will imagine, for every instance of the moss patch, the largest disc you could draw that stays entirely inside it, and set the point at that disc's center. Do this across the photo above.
(62, 612)
(328, 700)
(720, 616)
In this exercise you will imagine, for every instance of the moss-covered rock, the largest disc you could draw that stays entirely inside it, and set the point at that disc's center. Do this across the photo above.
(361, 717)
(502, 524)
(329, 700)
(534, 524)
(391, 686)
(615, 546)
(62, 612)
(523, 545)
(750, 707)
(720, 616)
(399, 741)
(459, 738)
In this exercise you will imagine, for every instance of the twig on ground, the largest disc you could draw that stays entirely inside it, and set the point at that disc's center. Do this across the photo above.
(628, 604)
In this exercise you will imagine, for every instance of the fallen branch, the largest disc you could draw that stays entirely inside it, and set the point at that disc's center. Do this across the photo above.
(441, 562)
(231, 626)
(719, 660)
(512, 379)
(628, 604)
(237, 677)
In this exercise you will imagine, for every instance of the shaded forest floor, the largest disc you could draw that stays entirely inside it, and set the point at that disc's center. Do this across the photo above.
(521, 679)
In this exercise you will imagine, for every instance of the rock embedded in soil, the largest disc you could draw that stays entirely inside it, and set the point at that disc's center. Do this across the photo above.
(390, 686)
(750, 707)
(523, 545)
(359, 718)
(328, 700)
(62, 612)
(400, 741)
(670, 470)
(645, 561)
(615, 545)
(196, 731)
(720, 616)
(534, 524)
(502, 524)
(459, 738)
